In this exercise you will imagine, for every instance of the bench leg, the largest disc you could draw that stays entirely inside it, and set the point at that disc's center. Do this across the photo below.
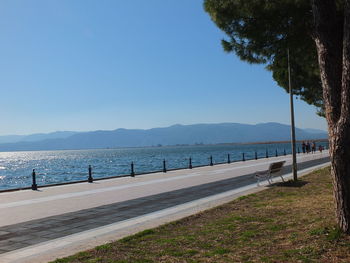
(258, 180)
(269, 180)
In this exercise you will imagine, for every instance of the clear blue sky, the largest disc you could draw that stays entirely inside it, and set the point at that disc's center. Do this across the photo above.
(88, 64)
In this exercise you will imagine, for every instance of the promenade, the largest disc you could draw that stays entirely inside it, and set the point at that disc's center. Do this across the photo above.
(38, 226)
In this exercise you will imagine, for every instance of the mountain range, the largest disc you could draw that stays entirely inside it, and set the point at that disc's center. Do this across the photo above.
(173, 135)
(35, 137)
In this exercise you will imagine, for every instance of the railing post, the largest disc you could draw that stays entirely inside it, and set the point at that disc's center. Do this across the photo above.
(256, 155)
(284, 151)
(190, 163)
(228, 158)
(267, 154)
(132, 173)
(243, 157)
(276, 153)
(90, 179)
(164, 166)
(211, 160)
(34, 185)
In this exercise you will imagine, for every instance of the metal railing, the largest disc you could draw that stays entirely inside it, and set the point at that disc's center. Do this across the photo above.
(90, 178)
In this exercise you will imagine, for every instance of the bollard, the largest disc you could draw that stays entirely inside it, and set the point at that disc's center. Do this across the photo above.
(228, 158)
(243, 158)
(256, 155)
(34, 185)
(164, 166)
(284, 152)
(190, 163)
(276, 153)
(267, 154)
(132, 173)
(211, 160)
(90, 179)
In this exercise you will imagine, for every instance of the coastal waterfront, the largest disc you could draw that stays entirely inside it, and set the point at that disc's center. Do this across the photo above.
(63, 220)
(67, 166)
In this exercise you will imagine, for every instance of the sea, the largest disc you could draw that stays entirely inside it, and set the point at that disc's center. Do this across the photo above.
(53, 167)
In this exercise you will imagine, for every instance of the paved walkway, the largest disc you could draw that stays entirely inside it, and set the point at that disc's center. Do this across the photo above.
(34, 218)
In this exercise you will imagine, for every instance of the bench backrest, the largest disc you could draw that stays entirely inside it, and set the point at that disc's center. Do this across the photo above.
(276, 167)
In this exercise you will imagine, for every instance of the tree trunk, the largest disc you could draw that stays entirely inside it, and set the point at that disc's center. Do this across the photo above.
(332, 37)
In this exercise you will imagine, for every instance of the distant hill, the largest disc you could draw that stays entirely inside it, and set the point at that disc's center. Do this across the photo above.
(35, 137)
(173, 135)
(314, 131)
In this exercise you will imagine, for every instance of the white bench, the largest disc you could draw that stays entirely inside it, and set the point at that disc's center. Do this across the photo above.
(275, 169)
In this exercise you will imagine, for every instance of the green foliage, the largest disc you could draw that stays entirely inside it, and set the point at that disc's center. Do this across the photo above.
(261, 31)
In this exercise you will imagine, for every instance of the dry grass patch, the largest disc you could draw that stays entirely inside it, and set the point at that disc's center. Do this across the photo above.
(286, 223)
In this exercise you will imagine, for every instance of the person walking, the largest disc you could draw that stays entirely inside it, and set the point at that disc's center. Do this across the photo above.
(308, 147)
(320, 148)
(313, 147)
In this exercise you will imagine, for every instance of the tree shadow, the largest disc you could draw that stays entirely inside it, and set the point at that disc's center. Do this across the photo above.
(291, 183)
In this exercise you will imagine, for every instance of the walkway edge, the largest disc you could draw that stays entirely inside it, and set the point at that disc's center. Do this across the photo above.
(71, 244)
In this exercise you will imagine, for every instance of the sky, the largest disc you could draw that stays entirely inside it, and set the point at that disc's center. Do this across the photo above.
(84, 65)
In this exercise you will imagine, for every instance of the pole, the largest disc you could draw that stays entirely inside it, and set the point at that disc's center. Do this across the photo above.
(90, 179)
(164, 166)
(34, 185)
(294, 165)
(132, 172)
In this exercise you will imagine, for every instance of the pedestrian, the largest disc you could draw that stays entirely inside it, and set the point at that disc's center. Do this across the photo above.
(308, 147)
(313, 147)
(303, 146)
(320, 148)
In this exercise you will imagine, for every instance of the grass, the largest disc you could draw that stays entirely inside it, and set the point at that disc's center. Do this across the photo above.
(286, 223)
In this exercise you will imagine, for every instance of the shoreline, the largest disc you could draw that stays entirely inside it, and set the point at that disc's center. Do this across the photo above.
(169, 146)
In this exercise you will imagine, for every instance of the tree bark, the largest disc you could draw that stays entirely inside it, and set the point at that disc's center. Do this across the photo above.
(332, 38)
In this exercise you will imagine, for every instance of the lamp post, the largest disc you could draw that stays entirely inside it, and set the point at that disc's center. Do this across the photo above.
(294, 165)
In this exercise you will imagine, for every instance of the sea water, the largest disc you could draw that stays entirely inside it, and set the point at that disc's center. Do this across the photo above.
(72, 165)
